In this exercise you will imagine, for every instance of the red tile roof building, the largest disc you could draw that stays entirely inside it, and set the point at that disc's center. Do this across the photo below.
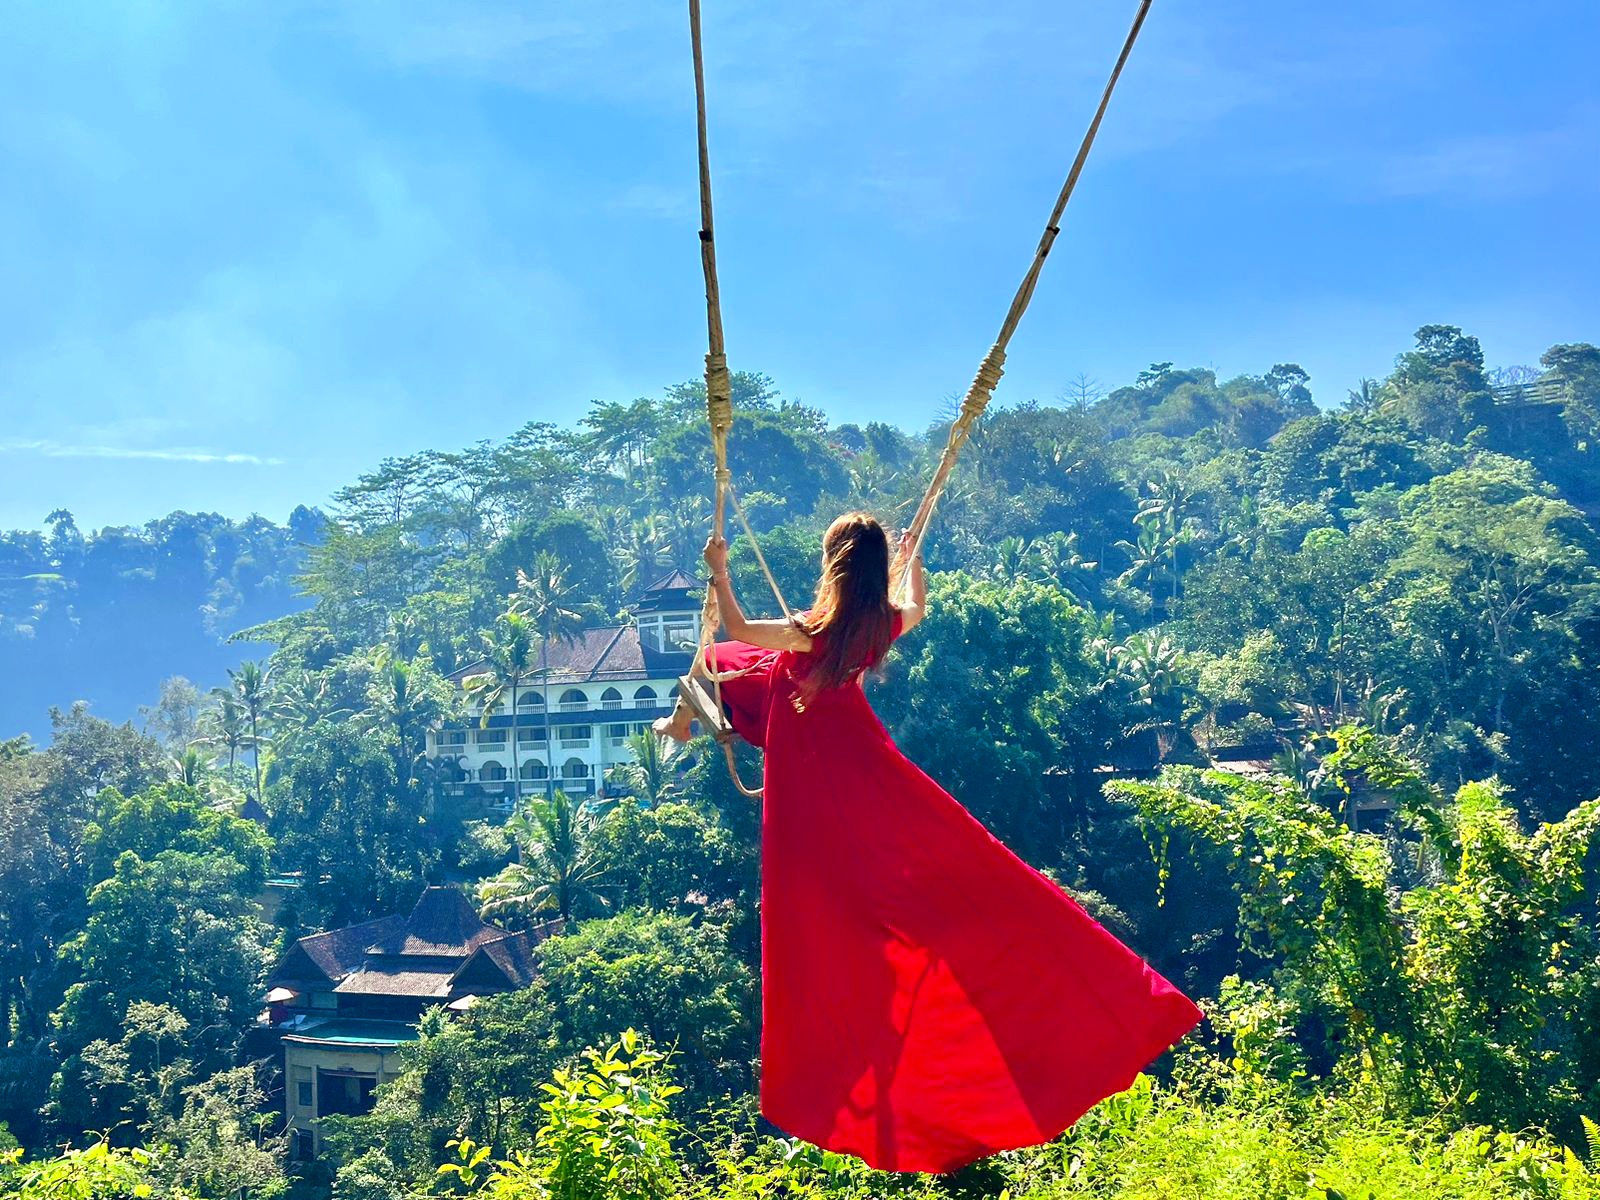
(343, 1002)
(603, 685)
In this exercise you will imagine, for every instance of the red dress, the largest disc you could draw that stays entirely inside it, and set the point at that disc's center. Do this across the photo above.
(927, 997)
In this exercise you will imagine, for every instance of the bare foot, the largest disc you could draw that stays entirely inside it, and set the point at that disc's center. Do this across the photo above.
(675, 727)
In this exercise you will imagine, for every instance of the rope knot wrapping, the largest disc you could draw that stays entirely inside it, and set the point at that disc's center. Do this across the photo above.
(719, 395)
(984, 384)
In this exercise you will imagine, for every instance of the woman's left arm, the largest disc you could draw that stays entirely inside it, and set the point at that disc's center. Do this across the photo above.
(769, 635)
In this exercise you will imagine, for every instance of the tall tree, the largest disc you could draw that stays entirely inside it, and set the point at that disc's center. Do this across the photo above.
(648, 776)
(562, 871)
(508, 664)
(544, 597)
(403, 699)
(250, 687)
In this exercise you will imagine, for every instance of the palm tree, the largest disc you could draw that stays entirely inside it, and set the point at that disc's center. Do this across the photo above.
(1103, 645)
(1364, 398)
(1378, 704)
(639, 549)
(1167, 502)
(188, 768)
(250, 686)
(508, 664)
(1309, 777)
(404, 637)
(1243, 531)
(433, 773)
(870, 479)
(1011, 559)
(399, 699)
(1061, 563)
(1153, 664)
(686, 530)
(561, 868)
(301, 699)
(545, 598)
(647, 776)
(225, 726)
(1146, 555)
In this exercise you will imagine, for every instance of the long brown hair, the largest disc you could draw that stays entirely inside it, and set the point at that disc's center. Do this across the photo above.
(851, 622)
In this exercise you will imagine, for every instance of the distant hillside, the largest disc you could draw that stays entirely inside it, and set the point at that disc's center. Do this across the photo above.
(106, 616)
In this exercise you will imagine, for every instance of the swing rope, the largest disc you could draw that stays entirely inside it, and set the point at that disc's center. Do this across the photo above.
(993, 365)
(719, 385)
(719, 413)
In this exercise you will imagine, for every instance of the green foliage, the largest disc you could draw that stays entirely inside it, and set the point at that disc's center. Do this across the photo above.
(672, 979)
(607, 1130)
(1009, 665)
(106, 613)
(606, 1134)
(96, 1172)
(577, 547)
(478, 1078)
(675, 858)
(176, 817)
(180, 931)
(356, 835)
(225, 1142)
(1469, 994)
(561, 871)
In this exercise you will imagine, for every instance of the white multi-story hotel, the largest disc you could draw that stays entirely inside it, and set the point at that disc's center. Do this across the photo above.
(604, 685)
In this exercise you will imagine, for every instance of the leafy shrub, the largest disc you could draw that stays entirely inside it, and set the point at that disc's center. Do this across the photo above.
(97, 1172)
(607, 1135)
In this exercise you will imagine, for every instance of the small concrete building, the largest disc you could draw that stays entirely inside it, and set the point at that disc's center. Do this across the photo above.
(343, 1003)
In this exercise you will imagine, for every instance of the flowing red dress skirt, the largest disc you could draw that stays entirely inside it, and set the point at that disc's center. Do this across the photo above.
(927, 997)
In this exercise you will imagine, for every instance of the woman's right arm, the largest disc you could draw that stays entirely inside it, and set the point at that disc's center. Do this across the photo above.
(769, 635)
(916, 606)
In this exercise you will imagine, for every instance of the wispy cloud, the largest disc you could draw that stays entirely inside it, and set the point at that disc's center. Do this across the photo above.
(1480, 167)
(1496, 166)
(186, 454)
(655, 201)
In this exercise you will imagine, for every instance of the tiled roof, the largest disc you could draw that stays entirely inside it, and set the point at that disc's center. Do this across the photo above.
(418, 955)
(670, 593)
(673, 580)
(336, 953)
(611, 652)
(510, 956)
(391, 977)
(443, 924)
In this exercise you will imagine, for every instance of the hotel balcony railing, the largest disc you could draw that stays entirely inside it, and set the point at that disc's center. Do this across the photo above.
(611, 704)
(573, 705)
(575, 743)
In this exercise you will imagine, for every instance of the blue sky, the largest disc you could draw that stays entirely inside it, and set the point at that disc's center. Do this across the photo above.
(252, 248)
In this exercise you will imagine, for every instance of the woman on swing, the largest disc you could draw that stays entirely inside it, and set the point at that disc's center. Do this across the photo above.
(927, 997)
